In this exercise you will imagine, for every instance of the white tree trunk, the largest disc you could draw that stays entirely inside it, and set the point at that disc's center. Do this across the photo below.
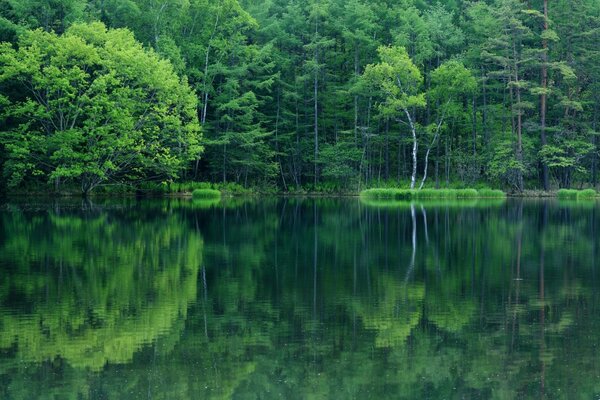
(413, 178)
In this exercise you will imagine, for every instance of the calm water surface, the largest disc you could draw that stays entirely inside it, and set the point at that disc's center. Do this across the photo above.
(297, 299)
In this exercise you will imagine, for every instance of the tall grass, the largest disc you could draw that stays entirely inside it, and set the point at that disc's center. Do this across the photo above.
(586, 194)
(491, 193)
(405, 194)
(206, 194)
(387, 194)
(572, 194)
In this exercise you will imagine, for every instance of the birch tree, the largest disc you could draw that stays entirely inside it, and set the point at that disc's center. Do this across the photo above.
(399, 81)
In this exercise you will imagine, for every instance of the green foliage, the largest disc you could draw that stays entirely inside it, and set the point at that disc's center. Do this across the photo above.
(398, 79)
(94, 106)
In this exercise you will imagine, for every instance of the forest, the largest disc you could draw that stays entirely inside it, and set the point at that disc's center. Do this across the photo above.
(290, 95)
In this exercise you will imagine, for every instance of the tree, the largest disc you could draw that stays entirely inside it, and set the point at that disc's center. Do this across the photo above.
(510, 52)
(399, 80)
(449, 81)
(93, 106)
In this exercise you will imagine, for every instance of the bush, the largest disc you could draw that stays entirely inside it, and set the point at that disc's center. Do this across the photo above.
(206, 194)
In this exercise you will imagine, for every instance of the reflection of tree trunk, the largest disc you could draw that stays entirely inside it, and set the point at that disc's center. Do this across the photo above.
(542, 325)
(542, 302)
(518, 278)
(411, 266)
(425, 224)
(315, 259)
(205, 302)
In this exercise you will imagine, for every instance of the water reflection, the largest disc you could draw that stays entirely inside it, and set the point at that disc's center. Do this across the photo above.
(299, 298)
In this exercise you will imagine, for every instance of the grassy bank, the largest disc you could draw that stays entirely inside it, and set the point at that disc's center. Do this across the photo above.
(449, 194)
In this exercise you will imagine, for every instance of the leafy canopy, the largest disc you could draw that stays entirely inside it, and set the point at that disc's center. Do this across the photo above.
(93, 106)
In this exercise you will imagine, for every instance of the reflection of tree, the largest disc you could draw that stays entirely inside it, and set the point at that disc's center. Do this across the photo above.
(395, 313)
(93, 290)
(269, 318)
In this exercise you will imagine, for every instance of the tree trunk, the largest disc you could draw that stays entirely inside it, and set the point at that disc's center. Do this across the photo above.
(387, 149)
(356, 73)
(413, 177)
(316, 104)
(595, 148)
(519, 150)
(543, 106)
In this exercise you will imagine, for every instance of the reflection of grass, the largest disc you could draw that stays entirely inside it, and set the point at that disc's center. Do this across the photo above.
(200, 203)
(434, 203)
(206, 194)
(585, 204)
(406, 194)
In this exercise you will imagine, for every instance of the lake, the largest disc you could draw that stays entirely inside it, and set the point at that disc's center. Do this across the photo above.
(296, 299)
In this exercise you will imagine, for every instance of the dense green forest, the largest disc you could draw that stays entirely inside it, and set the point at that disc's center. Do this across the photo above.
(313, 94)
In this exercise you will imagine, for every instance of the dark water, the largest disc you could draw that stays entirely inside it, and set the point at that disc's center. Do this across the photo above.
(299, 299)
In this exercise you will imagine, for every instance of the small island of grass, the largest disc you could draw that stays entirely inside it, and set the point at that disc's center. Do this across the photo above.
(408, 194)
(206, 194)
(573, 194)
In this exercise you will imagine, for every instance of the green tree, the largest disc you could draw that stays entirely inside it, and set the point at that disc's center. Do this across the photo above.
(399, 80)
(449, 81)
(93, 106)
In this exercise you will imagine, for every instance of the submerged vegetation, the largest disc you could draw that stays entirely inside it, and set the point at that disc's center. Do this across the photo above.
(299, 96)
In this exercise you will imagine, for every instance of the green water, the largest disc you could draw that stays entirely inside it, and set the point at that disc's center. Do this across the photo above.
(299, 299)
